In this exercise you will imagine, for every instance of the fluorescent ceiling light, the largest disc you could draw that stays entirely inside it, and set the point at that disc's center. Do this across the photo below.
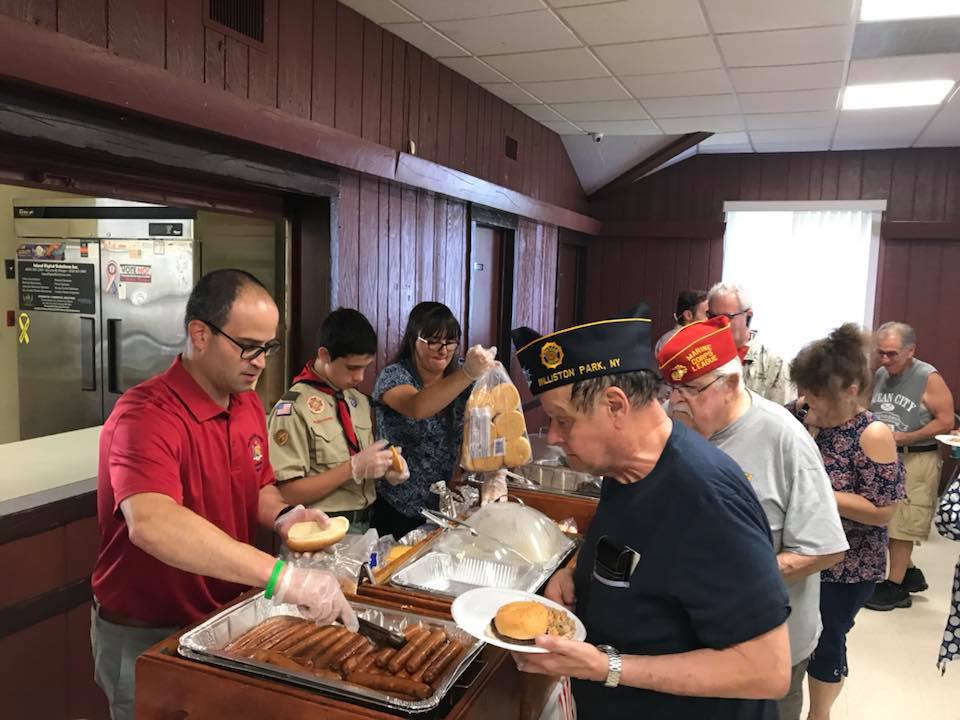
(874, 10)
(894, 95)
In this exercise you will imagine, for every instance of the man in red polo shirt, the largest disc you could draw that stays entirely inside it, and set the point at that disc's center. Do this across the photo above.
(184, 479)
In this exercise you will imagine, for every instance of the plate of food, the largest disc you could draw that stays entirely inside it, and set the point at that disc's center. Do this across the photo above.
(512, 619)
(951, 440)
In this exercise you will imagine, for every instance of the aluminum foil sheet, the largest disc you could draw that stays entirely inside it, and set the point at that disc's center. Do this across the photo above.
(205, 643)
(443, 574)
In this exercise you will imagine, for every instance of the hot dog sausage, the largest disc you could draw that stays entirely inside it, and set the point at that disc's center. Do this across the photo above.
(325, 658)
(384, 656)
(443, 661)
(390, 684)
(418, 675)
(417, 658)
(310, 644)
(355, 662)
(356, 645)
(272, 657)
(404, 653)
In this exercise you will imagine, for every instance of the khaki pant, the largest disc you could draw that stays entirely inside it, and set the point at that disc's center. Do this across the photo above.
(115, 652)
(792, 703)
(912, 518)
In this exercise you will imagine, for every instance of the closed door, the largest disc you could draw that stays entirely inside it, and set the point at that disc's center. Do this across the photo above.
(486, 287)
(569, 285)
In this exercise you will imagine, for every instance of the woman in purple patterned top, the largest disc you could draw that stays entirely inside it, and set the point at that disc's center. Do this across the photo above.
(860, 457)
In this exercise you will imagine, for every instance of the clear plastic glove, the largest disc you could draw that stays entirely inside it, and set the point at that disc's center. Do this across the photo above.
(478, 361)
(371, 463)
(494, 488)
(318, 595)
(299, 514)
(392, 476)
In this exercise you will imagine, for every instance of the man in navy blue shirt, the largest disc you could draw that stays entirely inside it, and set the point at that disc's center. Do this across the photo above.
(677, 582)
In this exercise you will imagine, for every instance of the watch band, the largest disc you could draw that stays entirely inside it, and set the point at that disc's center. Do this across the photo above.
(614, 665)
(283, 512)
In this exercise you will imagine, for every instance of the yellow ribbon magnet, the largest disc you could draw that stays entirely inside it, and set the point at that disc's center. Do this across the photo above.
(24, 322)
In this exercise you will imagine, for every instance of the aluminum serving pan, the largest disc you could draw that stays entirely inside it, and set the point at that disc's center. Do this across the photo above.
(205, 643)
(434, 572)
(443, 574)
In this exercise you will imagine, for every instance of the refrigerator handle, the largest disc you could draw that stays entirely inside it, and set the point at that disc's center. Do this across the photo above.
(113, 356)
(88, 353)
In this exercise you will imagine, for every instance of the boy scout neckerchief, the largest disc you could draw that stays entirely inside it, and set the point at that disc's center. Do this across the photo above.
(307, 375)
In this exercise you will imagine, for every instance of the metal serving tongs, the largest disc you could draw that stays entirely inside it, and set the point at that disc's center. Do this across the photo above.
(445, 521)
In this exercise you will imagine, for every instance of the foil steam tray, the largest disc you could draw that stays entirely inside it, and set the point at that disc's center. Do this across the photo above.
(443, 574)
(205, 643)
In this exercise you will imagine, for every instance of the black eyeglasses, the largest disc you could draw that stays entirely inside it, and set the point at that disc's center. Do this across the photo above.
(728, 316)
(889, 354)
(437, 345)
(691, 391)
(249, 352)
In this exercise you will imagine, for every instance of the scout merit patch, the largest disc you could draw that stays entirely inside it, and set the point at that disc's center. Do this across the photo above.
(281, 437)
(256, 450)
(315, 404)
(283, 408)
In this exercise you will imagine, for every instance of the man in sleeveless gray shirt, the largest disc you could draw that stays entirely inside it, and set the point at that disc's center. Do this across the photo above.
(911, 397)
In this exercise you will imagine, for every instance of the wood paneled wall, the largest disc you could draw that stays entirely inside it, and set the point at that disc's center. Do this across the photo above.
(325, 62)
(672, 238)
(398, 246)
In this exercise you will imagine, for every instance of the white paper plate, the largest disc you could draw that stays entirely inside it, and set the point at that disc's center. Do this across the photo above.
(951, 440)
(474, 610)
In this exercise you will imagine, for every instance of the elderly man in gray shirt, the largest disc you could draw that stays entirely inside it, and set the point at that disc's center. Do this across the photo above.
(780, 460)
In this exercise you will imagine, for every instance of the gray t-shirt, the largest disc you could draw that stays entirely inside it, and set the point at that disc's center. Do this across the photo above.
(898, 399)
(783, 464)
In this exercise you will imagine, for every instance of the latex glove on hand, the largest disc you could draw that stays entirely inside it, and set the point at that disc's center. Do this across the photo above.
(318, 595)
(299, 514)
(478, 361)
(371, 463)
(494, 488)
(395, 477)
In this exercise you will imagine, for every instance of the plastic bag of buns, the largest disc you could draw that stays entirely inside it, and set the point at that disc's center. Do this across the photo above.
(494, 431)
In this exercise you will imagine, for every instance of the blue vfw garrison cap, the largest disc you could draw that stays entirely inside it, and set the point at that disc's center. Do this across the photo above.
(607, 347)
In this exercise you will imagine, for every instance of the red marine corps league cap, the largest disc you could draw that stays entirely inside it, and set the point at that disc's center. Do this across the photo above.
(696, 349)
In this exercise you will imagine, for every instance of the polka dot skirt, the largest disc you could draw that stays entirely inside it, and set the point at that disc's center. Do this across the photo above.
(948, 524)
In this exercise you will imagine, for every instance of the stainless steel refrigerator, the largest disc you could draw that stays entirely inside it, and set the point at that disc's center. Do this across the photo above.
(102, 288)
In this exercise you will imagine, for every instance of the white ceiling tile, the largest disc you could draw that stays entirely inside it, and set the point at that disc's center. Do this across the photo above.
(786, 47)
(796, 101)
(599, 163)
(622, 127)
(729, 16)
(726, 142)
(897, 127)
(792, 145)
(577, 90)
(563, 128)
(570, 64)
(431, 10)
(787, 77)
(427, 39)
(697, 105)
(571, 3)
(540, 113)
(904, 68)
(698, 82)
(635, 20)
(473, 69)
(520, 32)
(945, 128)
(718, 124)
(611, 110)
(795, 135)
(509, 92)
(380, 11)
(660, 56)
(785, 121)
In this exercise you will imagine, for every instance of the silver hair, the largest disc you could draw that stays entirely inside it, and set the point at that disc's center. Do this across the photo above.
(731, 367)
(908, 336)
(640, 387)
(722, 288)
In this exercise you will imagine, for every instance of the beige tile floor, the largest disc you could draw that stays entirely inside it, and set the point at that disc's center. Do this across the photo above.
(892, 655)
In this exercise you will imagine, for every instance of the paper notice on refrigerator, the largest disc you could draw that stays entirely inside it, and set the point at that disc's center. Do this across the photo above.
(57, 286)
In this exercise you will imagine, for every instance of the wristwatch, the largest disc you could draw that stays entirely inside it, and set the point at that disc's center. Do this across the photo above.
(614, 665)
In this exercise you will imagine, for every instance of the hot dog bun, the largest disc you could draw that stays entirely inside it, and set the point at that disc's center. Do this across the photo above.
(310, 537)
(397, 464)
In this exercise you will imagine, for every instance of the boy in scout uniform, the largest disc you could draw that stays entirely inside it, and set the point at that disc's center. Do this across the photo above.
(321, 432)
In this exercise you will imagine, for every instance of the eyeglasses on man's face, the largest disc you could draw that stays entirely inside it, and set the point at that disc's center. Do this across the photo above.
(729, 316)
(248, 352)
(438, 345)
(691, 391)
(888, 354)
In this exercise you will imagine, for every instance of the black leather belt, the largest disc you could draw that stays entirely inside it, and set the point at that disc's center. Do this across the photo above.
(354, 516)
(917, 448)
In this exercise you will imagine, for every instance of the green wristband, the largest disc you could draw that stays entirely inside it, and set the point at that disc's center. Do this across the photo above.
(271, 583)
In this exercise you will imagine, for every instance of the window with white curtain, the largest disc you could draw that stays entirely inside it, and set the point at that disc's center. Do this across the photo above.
(807, 267)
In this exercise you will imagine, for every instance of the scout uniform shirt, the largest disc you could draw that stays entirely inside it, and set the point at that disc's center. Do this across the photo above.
(306, 438)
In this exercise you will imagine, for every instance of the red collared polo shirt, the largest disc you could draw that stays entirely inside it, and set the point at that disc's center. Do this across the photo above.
(167, 436)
